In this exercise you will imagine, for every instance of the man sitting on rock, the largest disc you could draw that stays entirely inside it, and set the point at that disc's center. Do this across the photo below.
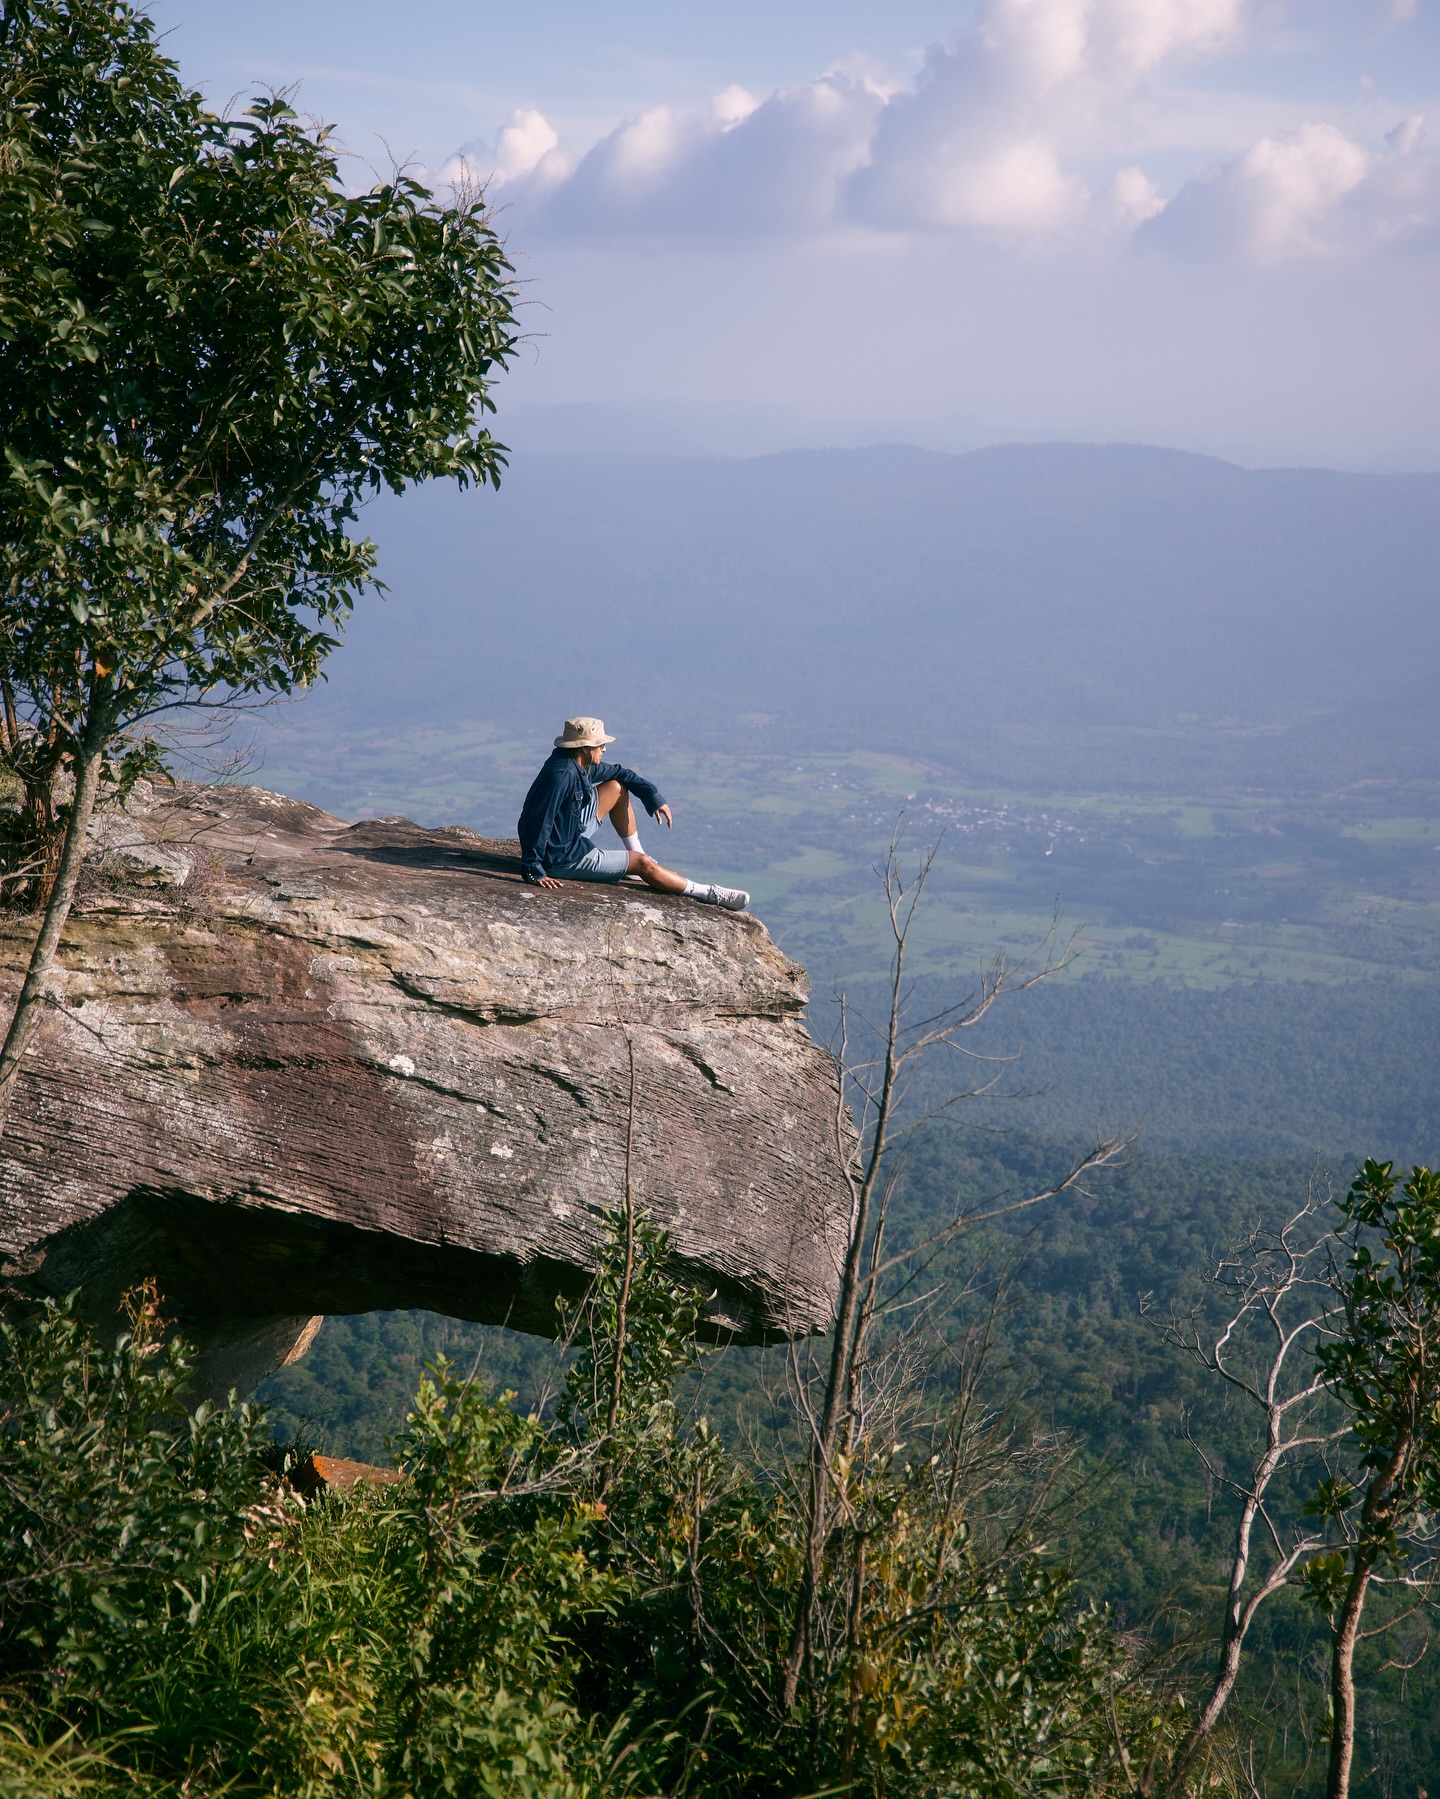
(568, 800)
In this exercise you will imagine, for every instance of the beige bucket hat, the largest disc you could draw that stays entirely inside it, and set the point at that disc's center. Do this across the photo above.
(583, 734)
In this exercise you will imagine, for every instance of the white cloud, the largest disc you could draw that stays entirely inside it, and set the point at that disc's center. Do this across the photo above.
(1398, 203)
(742, 164)
(1014, 185)
(1269, 204)
(1311, 192)
(524, 143)
(1013, 129)
(1130, 199)
(732, 107)
(527, 148)
(983, 137)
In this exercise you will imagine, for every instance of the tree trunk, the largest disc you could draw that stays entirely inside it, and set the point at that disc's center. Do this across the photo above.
(39, 833)
(26, 1018)
(849, 1327)
(1237, 1623)
(1376, 1516)
(1226, 1675)
(1342, 1679)
(30, 852)
(822, 1454)
(852, 1652)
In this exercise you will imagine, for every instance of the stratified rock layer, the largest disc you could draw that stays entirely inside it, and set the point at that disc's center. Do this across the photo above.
(298, 1066)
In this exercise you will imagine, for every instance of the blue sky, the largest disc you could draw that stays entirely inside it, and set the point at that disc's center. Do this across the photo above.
(1209, 223)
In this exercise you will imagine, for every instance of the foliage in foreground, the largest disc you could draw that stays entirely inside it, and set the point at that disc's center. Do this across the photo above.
(595, 1603)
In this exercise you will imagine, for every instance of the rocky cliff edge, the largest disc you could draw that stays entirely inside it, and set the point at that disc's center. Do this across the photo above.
(295, 1065)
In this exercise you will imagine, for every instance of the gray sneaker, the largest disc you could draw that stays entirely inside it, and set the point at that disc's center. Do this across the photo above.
(733, 899)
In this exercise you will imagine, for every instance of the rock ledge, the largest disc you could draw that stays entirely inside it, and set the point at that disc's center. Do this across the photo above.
(297, 1066)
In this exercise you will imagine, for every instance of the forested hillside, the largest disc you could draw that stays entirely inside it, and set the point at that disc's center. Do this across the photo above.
(1264, 1069)
(1073, 1298)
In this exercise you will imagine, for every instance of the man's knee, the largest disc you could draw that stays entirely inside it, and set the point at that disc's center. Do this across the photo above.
(643, 865)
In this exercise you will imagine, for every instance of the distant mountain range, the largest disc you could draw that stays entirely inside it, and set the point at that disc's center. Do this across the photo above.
(1115, 613)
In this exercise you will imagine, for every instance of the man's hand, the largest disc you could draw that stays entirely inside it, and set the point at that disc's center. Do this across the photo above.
(664, 812)
(548, 881)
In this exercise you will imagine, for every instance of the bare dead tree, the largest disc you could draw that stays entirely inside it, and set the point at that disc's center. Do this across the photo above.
(617, 1369)
(1281, 1301)
(880, 1086)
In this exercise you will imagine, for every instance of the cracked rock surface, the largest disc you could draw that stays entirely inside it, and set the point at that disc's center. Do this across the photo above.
(296, 1066)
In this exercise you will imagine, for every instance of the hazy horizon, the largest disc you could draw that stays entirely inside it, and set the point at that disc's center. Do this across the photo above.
(1074, 602)
(680, 427)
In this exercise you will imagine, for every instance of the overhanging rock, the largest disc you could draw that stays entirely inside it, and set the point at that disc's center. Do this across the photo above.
(328, 1067)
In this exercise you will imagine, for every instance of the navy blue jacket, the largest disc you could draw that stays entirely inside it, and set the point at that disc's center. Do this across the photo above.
(549, 827)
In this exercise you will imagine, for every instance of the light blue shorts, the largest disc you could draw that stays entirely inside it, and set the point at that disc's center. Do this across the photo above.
(595, 865)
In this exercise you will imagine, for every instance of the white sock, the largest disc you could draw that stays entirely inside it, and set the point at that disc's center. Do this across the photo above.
(695, 890)
(632, 843)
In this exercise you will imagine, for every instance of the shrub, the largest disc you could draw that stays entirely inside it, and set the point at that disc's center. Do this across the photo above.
(594, 1604)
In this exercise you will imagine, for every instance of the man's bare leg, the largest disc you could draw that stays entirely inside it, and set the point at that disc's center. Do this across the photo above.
(663, 880)
(612, 801)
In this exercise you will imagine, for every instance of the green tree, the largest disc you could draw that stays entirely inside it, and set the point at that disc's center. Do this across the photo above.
(210, 354)
(118, 1524)
(1360, 1419)
(1384, 1366)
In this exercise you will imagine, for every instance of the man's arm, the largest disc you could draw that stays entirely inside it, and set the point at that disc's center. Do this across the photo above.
(645, 791)
(537, 820)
